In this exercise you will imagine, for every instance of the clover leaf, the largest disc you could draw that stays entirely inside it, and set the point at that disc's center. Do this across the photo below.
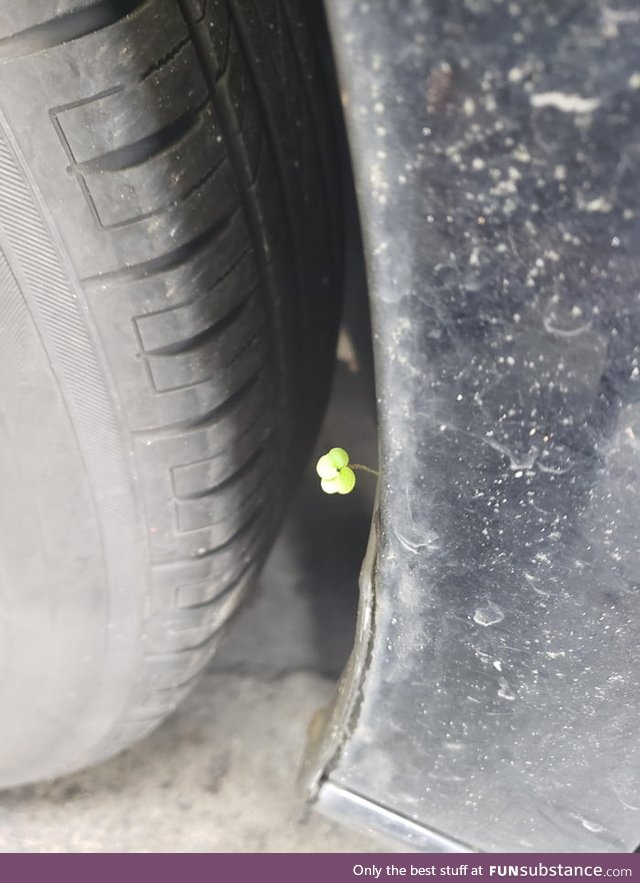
(336, 477)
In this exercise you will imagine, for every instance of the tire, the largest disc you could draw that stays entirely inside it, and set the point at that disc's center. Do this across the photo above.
(169, 296)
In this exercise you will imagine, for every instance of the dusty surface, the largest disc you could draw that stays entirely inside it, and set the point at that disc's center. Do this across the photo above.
(221, 774)
(218, 777)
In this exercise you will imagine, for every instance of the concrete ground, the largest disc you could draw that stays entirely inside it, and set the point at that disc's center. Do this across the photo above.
(221, 774)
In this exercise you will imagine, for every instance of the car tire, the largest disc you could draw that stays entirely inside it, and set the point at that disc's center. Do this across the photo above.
(169, 296)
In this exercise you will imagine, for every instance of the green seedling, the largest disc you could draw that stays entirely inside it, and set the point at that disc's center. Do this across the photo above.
(337, 475)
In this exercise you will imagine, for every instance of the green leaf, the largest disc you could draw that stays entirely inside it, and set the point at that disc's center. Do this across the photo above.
(346, 480)
(325, 468)
(335, 475)
(338, 457)
(330, 485)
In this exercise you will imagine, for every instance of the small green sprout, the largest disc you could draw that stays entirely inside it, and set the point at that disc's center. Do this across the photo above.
(337, 475)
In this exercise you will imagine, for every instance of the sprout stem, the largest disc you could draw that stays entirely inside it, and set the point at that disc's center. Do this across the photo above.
(363, 468)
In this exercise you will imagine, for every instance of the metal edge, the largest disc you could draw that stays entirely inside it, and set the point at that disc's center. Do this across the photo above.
(346, 806)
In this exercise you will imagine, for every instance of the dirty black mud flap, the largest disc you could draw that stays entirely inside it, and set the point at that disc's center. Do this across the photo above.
(493, 701)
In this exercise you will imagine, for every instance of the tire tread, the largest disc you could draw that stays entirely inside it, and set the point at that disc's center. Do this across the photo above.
(200, 219)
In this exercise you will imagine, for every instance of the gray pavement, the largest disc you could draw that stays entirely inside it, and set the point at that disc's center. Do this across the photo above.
(221, 774)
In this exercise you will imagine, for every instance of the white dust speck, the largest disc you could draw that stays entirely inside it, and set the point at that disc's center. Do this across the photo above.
(564, 102)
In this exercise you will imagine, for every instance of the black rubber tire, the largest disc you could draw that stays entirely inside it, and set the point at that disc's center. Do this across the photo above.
(169, 295)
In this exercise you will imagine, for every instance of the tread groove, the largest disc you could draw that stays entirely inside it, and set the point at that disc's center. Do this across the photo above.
(246, 346)
(240, 505)
(312, 112)
(209, 334)
(237, 475)
(200, 295)
(272, 136)
(247, 202)
(66, 27)
(157, 212)
(249, 428)
(216, 550)
(208, 419)
(169, 261)
(204, 606)
(161, 62)
(139, 152)
(179, 653)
